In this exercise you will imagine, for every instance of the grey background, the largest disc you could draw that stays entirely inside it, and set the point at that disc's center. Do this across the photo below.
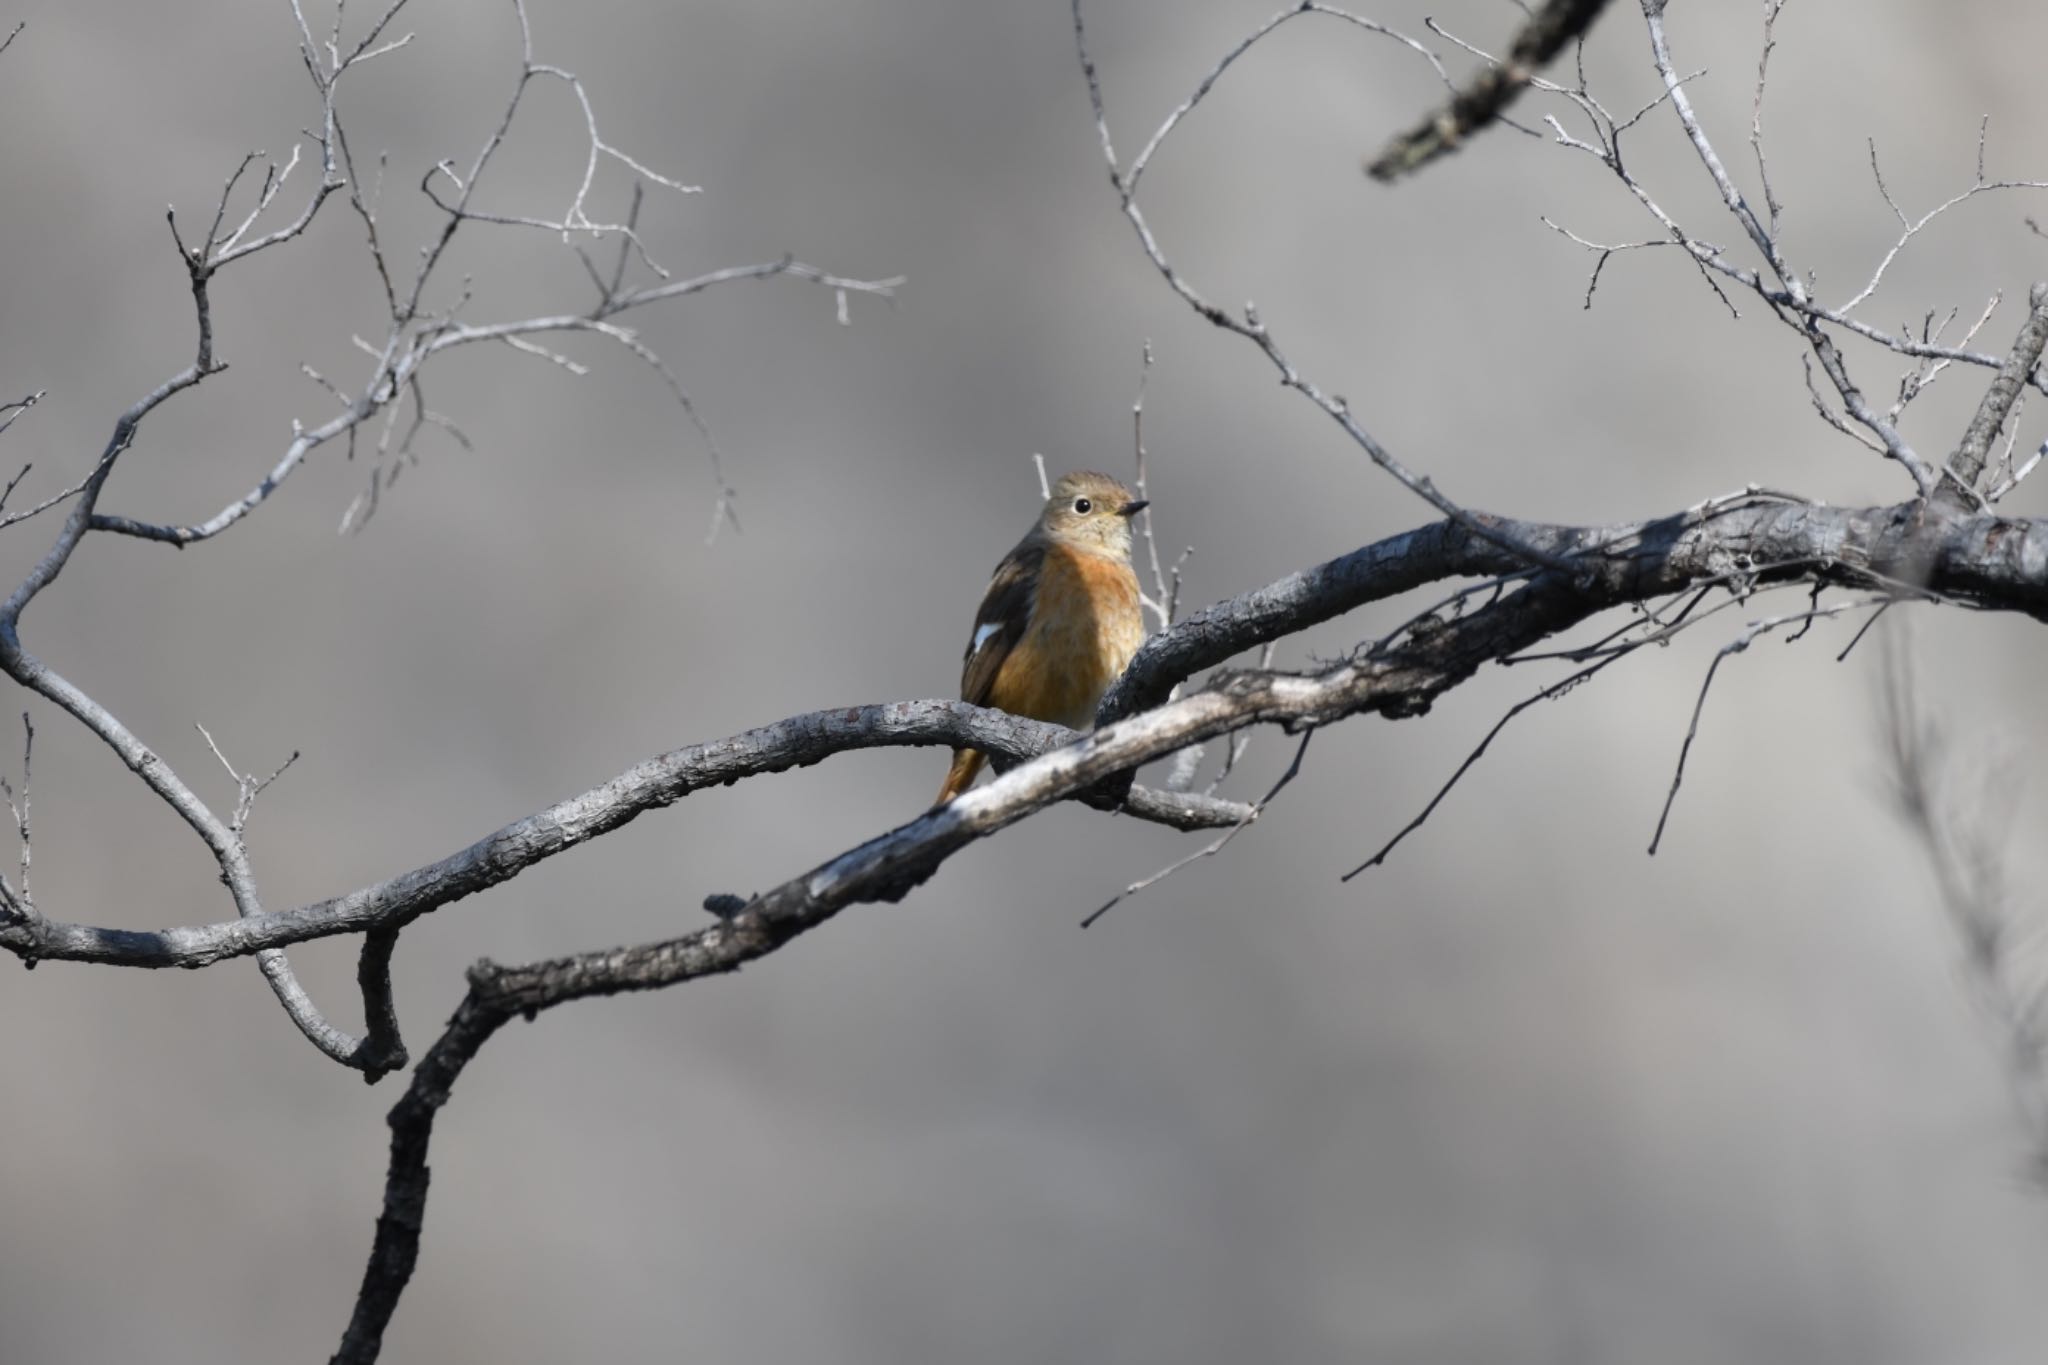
(1522, 1095)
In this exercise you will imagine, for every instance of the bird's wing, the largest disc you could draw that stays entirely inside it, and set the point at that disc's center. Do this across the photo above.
(1005, 611)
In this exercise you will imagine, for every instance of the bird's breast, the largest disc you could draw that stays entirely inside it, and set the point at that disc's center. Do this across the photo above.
(1085, 625)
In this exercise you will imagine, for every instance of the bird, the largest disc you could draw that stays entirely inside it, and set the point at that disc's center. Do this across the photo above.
(1061, 618)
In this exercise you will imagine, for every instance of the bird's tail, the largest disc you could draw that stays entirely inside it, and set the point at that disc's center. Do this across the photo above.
(966, 767)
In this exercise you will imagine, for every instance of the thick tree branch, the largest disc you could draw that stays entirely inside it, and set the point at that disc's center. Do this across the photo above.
(1544, 579)
(1908, 548)
(397, 1247)
(1993, 562)
(885, 868)
(796, 742)
(1399, 679)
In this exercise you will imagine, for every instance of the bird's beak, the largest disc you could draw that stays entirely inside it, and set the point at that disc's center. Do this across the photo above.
(1135, 506)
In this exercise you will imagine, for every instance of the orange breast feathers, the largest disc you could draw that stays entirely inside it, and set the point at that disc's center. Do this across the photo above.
(1085, 626)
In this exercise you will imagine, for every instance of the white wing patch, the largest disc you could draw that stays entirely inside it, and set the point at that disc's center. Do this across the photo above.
(981, 636)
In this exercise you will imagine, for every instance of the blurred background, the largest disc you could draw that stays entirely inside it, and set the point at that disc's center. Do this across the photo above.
(1523, 1094)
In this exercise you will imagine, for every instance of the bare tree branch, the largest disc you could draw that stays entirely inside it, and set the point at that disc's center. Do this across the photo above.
(1738, 645)
(32, 673)
(10, 412)
(657, 782)
(1555, 690)
(1514, 585)
(1782, 286)
(383, 1050)
(1399, 676)
(1249, 326)
(1968, 461)
(1482, 99)
(403, 369)
(1972, 559)
(19, 904)
(1763, 237)
(1216, 845)
(414, 336)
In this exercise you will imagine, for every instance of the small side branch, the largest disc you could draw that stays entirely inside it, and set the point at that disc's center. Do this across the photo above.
(18, 902)
(1165, 596)
(1967, 464)
(1737, 646)
(1216, 845)
(383, 1050)
(248, 786)
(222, 841)
(399, 363)
(11, 412)
(1555, 690)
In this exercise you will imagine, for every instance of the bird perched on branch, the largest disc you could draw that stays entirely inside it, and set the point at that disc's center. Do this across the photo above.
(1061, 618)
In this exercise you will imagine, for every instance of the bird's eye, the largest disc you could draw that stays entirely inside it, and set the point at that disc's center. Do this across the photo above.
(1082, 505)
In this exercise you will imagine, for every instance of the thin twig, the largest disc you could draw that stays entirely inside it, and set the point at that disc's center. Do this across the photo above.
(1556, 689)
(11, 412)
(1161, 601)
(1736, 646)
(1249, 326)
(1215, 846)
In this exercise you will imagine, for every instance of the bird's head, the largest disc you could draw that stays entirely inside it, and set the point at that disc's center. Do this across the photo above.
(1091, 511)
